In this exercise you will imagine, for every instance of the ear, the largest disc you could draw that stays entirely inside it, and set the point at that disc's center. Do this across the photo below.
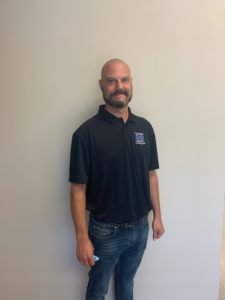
(100, 84)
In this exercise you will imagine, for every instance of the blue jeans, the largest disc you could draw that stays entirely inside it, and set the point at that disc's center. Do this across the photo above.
(120, 248)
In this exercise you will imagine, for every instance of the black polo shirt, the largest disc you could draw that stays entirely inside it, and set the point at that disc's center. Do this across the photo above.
(113, 158)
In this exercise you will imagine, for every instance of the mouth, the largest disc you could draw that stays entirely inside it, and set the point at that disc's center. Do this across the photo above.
(120, 93)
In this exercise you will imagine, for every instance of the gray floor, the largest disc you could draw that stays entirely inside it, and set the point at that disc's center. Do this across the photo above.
(222, 272)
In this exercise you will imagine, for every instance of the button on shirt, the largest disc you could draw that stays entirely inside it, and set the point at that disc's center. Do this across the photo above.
(113, 158)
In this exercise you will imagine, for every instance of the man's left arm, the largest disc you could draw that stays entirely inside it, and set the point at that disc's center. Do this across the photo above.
(157, 225)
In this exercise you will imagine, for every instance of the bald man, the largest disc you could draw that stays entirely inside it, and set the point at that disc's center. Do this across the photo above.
(113, 175)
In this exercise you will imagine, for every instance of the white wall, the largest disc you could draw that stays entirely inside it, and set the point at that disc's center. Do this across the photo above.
(51, 55)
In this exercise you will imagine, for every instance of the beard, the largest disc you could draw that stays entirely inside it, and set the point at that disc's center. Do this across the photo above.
(111, 100)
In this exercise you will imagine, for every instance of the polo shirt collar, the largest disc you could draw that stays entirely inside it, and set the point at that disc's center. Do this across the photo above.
(111, 118)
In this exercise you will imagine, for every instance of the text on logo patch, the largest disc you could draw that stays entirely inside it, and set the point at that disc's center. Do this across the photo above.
(139, 138)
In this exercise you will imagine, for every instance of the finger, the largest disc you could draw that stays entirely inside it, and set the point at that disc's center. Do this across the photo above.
(87, 260)
(91, 261)
(82, 259)
(155, 235)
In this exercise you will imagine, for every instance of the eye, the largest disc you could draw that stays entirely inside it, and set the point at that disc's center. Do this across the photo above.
(111, 80)
(125, 79)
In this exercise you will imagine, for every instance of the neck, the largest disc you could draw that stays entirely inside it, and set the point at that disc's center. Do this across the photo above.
(118, 112)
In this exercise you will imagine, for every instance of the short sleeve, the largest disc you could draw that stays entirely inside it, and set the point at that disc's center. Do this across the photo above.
(153, 162)
(79, 160)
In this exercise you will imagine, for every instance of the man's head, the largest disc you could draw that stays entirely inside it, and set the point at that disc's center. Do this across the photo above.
(116, 83)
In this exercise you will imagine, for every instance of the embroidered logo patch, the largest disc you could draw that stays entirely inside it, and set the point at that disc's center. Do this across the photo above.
(139, 138)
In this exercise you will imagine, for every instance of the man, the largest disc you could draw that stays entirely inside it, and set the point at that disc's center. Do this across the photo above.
(112, 174)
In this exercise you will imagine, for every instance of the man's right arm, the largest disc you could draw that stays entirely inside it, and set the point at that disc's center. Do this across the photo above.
(84, 247)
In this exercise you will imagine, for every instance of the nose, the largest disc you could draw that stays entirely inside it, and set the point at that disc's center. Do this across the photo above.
(119, 84)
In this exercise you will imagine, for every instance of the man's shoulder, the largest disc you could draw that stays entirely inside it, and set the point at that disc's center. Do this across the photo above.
(88, 124)
(141, 121)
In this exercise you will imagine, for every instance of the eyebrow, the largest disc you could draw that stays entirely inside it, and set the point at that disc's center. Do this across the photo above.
(116, 78)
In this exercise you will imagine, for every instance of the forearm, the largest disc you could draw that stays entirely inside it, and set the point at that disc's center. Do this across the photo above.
(157, 225)
(78, 210)
(84, 247)
(154, 194)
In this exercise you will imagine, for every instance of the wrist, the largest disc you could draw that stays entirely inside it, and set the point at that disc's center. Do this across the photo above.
(82, 237)
(157, 215)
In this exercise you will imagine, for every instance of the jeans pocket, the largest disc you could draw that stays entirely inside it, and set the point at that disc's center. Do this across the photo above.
(101, 232)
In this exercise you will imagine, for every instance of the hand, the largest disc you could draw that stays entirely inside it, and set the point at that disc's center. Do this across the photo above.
(158, 228)
(85, 251)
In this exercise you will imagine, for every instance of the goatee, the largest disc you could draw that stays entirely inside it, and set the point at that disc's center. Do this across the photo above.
(117, 103)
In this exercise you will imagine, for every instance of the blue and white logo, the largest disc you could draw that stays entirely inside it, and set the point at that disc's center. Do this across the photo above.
(139, 138)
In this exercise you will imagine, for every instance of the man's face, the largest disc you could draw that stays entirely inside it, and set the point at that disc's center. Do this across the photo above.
(116, 84)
